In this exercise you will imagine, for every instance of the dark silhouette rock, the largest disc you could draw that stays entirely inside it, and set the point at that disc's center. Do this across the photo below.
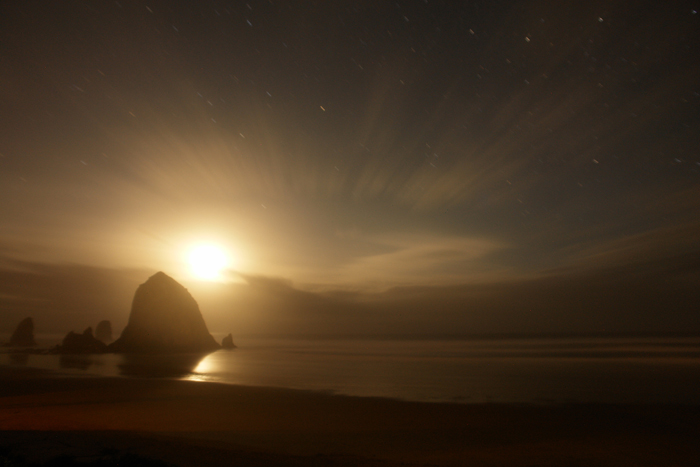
(164, 319)
(24, 334)
(227, 342)
(103, 331)
(83, 343)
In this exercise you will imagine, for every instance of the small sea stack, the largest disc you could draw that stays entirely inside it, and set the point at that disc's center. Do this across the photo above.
(103, 331)
(227, 342)
(24, 334)
(84, 343)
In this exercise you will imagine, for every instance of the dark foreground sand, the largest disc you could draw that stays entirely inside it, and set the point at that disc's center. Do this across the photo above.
(119, 421)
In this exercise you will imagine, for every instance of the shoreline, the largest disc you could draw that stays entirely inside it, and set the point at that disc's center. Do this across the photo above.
(432, 372)
(203, 423)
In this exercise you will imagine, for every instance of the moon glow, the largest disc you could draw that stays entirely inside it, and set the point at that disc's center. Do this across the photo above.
(207, 262)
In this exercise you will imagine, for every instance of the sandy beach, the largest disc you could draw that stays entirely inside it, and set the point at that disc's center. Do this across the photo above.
(184, 423)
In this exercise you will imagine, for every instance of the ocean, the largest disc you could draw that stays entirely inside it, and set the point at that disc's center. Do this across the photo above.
(523, 370)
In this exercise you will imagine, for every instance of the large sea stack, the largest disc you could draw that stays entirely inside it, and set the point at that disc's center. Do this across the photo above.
(24, 334)
(164, 319)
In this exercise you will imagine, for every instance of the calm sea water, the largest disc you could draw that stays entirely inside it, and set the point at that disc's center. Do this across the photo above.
(541, 371)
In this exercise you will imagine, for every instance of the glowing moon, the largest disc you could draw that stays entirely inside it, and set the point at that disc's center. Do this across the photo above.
(207, 262)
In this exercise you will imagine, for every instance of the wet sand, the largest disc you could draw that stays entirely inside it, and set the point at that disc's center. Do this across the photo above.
(206, 424)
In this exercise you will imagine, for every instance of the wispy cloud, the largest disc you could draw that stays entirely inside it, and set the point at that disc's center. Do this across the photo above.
(420, 258)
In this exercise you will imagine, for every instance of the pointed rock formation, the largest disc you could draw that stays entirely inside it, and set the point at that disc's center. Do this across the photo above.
(103, 331)
(227, 342)
(164, 319)
(81, 343)
(24, 334)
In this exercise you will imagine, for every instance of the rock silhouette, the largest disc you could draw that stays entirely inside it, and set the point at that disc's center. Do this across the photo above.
(227, 342)
(103, 331)
(81, 343)
(24, 334)
(164, 319)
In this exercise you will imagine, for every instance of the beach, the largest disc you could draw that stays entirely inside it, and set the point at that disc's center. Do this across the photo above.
(188, 423)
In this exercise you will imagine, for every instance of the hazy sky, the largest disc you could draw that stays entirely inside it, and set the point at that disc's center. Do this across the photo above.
(370, 166)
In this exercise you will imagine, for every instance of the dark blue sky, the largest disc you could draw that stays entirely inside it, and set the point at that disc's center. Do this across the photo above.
(465, 152)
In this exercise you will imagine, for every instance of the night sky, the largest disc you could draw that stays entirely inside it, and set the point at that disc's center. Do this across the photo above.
(415, 167)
